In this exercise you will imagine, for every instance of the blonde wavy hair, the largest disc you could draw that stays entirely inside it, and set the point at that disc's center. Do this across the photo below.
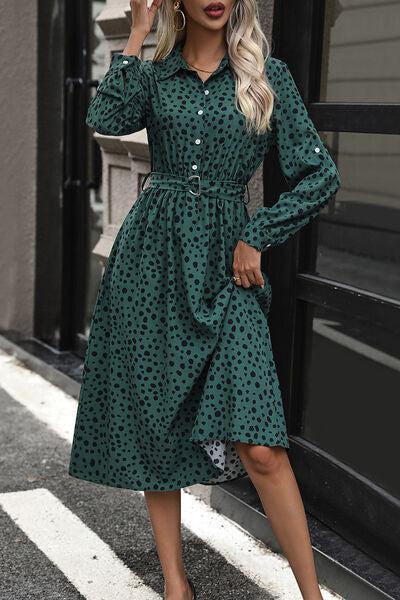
(244, 40)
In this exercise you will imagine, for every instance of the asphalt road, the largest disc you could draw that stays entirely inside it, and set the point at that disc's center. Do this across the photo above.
(63, 538)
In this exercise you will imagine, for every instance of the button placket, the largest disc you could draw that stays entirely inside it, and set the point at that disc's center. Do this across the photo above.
(198, 141)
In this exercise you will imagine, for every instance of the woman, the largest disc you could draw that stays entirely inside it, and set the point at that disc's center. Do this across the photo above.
(179, 383)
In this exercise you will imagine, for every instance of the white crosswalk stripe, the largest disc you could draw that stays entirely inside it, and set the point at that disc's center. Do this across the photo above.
(44, 400)
(89, 564)
(57, 410)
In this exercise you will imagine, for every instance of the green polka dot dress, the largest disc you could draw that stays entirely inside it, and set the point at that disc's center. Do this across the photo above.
(179, 363)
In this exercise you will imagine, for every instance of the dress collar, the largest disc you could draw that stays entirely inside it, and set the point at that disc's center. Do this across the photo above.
(174, 61)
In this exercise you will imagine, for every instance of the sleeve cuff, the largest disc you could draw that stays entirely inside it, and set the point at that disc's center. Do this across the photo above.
(124, 61)
(252, 236)
(123, 79)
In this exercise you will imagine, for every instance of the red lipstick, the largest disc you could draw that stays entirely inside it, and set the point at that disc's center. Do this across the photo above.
(214, 10)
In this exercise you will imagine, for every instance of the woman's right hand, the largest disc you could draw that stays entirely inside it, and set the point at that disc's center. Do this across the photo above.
(142, 16)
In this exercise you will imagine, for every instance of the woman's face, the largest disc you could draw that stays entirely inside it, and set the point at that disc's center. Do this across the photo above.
(211, 14)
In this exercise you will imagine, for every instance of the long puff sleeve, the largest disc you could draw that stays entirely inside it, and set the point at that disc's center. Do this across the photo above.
(119, 105)
(307, 166)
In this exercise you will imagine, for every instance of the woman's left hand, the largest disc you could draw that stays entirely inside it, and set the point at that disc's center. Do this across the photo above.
(247, 265)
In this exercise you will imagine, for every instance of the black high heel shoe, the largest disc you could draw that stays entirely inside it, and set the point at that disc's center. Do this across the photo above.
(193, 588)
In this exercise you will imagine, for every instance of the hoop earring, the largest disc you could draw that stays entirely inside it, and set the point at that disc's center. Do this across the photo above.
(178, 10)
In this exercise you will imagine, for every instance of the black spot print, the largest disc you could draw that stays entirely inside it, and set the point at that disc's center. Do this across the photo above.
(179, 363)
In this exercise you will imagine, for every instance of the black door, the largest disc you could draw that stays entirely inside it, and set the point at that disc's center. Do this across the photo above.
(335, 315)
(82, 203)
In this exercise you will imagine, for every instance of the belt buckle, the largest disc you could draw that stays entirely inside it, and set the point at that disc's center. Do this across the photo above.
(199, 182)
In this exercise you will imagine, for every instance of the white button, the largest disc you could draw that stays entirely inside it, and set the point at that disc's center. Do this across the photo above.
(198, 141)
(317, 149)
(206, 92)
(194, 167)
(125, 62)
(200, 112)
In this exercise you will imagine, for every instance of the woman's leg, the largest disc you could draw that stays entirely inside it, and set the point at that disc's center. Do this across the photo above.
(164, 510)
(271, 474)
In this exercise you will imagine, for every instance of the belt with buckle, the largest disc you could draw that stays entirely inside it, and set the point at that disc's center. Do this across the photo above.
(230, 189)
